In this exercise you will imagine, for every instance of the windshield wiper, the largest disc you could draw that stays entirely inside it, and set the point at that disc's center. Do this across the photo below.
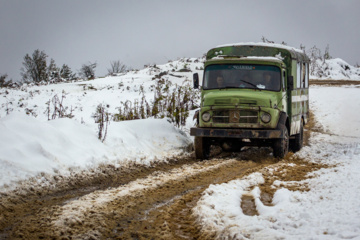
(251, 84)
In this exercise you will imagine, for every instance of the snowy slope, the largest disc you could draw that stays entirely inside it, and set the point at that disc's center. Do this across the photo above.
(30, 145)
(83, 97)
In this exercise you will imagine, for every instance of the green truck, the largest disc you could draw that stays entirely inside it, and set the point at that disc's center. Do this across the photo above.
(252, 94)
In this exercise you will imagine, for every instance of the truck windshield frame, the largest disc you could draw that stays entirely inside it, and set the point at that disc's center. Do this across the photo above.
(242, 76)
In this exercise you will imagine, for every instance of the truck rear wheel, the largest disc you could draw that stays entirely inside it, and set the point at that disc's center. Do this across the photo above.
(281, 145)
(297, 143)
(202, 147)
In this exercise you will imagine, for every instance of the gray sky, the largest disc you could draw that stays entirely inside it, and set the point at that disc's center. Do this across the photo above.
(77, 32)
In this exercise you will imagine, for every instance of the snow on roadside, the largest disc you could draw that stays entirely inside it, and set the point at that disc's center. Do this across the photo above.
(32, 147)
(330, 210)
(29, 147)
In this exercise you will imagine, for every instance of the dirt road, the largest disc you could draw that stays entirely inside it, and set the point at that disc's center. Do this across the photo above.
(137, 202)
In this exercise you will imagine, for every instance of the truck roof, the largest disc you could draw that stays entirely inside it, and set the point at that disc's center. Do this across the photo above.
(251, 49)
(272, 59)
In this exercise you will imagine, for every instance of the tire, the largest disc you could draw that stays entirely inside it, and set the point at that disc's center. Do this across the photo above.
(297, 143)
(281, 145)
(202, 148)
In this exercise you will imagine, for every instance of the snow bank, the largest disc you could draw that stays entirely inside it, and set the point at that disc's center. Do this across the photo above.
(29, 147)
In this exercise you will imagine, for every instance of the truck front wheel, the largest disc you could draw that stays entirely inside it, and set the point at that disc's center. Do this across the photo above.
(281, 145)
(202, 147)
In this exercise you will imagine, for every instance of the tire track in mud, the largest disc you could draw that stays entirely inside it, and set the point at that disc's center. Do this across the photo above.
(168, 215)
(30, 198)
(127, 215)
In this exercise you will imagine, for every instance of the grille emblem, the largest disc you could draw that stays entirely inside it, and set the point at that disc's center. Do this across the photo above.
(235, 117)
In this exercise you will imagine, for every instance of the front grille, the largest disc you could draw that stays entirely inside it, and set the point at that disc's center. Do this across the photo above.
(235, 116)
(224, 101)
(228, 101)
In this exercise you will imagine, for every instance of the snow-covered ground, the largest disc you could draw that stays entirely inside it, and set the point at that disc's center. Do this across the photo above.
(329, 210)
(33, 147)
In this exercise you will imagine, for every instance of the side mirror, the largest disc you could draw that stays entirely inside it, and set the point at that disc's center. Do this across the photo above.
(196, 80)
(290, 82)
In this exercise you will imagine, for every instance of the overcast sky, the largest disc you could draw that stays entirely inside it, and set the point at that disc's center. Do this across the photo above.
(77, 32)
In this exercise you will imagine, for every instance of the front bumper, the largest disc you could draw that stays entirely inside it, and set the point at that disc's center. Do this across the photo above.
(236, 133)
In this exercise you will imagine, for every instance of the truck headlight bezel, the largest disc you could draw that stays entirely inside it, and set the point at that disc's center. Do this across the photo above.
(206, 116)
(265, 117)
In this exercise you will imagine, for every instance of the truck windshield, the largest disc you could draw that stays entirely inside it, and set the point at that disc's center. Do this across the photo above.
(262, 77)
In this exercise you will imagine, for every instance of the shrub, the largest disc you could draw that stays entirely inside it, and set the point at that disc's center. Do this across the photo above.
(102, 118)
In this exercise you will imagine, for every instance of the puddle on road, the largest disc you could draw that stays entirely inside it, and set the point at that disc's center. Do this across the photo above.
(248, 205)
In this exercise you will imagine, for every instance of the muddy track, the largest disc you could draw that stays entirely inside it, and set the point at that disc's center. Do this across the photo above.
(138, 202)
(146, 212)
(333, 82)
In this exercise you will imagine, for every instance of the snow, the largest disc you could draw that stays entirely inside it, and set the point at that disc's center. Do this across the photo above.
(263, 45)
(31, 147)
(334, 69)
(337, 107)
(275, 59)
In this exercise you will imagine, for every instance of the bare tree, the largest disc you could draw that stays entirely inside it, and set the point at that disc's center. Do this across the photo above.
(117, 67)
(66, 73)
(88, 70)
(327, 53)
(53, 72)
(314, 54)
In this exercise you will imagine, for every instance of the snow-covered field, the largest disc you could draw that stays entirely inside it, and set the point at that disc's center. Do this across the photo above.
(33, 147)
(329, 210)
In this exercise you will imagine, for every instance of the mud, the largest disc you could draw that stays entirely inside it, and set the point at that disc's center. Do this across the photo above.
(139, 202)
(333, 82)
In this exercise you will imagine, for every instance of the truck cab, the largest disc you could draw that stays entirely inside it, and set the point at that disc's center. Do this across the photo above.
(253, 94)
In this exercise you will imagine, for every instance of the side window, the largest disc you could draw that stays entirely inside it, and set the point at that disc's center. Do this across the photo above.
(298, 75)
(307, 75)
(283, 80)
(303, 74)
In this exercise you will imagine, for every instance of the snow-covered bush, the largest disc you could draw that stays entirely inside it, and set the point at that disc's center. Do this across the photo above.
(102, 118)
(56, 109)
(171, 101)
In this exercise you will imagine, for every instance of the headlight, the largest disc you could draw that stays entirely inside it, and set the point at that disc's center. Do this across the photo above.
(206, 117)
(265, 117)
